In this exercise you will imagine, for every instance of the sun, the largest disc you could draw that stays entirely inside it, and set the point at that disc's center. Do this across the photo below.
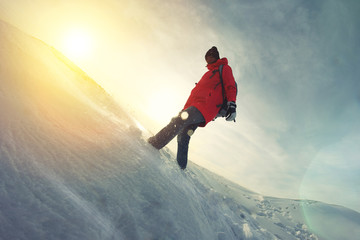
(78, 44)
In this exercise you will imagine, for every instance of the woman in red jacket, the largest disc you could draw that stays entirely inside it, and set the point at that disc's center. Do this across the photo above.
(202, 106)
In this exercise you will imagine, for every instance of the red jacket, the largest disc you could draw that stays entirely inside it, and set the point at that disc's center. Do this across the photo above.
(206, 96)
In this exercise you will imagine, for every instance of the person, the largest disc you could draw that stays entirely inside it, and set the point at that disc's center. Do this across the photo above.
(202, 106)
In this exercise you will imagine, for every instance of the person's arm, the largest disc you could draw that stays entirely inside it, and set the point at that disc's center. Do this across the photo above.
(230, 91)
(229, 84)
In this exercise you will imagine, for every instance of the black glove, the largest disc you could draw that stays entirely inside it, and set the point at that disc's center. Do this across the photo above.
(231, 111)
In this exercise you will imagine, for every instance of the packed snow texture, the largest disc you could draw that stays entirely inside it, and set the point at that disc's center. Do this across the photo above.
(74, 166)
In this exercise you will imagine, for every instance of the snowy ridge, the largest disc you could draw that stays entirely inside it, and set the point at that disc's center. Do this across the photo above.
(74, 166)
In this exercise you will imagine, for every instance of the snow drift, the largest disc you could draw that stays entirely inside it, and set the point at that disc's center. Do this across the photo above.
(74, 166)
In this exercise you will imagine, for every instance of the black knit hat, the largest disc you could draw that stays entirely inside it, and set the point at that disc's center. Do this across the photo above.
(212, 52)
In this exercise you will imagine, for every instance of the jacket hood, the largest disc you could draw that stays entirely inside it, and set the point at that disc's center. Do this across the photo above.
(215, 65)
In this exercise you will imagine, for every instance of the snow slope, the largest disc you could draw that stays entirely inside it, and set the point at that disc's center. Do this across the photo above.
(74, 166)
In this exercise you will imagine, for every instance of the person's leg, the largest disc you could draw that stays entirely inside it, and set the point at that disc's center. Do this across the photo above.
(183, 139)
(187, 117)
(167, 133)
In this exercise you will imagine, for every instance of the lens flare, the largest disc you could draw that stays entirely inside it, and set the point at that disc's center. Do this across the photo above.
(184, 116)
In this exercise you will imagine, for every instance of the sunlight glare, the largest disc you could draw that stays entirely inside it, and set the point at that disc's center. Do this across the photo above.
(78, 44)
(161, 107)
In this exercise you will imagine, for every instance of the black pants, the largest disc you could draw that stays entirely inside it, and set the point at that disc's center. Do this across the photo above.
(183, 125)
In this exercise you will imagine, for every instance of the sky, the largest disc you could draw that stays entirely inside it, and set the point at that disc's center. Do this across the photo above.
(296, 64)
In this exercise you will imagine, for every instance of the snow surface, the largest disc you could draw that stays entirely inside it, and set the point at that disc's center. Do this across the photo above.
(74, 166)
